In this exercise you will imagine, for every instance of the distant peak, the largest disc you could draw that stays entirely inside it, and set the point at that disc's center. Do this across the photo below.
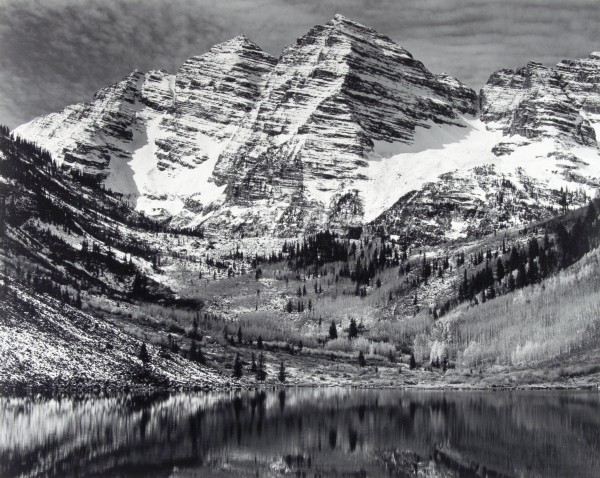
(339, 19)
(595, 55)
(241, 41)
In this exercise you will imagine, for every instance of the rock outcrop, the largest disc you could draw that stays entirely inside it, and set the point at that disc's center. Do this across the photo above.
(536, 101)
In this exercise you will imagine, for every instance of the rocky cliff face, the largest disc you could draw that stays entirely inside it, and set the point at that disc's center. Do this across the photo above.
(87, 136)
(535, 102)
(212, 93)
(536, 150)
(345, 128)
(156, 137)
(309, 139)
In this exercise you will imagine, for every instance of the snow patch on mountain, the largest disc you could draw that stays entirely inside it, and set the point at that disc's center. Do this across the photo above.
(403, 168)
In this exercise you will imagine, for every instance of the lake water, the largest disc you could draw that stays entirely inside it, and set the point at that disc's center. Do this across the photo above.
(306, 432)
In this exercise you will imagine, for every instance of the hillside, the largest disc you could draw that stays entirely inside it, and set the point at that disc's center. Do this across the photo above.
(79, 314)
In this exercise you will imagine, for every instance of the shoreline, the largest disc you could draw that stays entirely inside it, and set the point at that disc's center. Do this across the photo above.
(21, 390)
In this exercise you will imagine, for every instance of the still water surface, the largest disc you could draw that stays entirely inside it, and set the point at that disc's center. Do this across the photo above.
(306, 432)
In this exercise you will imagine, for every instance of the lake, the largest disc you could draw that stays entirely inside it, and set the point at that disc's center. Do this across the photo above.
(303, 432)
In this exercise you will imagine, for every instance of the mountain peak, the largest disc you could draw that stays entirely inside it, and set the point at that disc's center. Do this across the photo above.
(595, 55)
(339, 20)
(238, 42)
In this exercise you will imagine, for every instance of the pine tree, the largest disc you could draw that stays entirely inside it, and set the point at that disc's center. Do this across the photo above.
(259, 342)
(361, 359)
(239, 335)
(499, 270)
(282, 374)
(144, 356)
(333, 331)
(511, 282)
(352, 330)
(532, 271)
(412, 364)
(193, 351)
(521, 277)
(238, 369)
(261, 372)
(253, 367)
(195, 326)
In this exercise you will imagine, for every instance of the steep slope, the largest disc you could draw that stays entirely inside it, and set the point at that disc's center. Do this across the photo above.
(47, 343)
(143, 136)
(212, 94)
(534, 102)
(532, 154)
(340, 90)
(89, 136)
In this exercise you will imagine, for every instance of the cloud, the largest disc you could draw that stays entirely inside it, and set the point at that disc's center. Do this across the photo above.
(57, 52)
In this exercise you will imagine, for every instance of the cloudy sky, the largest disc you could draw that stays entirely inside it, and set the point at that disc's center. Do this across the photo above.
(57, 52)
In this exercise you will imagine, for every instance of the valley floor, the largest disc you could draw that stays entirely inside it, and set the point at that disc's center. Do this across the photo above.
(46, 345)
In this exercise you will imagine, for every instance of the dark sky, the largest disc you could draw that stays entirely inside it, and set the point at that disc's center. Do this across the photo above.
(57, 52)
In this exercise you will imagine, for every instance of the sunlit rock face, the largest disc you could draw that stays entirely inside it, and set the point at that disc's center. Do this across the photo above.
(536, 101)
(345, 128)
(310, 137)
(271, 145)
(212, 93)
(87, 135)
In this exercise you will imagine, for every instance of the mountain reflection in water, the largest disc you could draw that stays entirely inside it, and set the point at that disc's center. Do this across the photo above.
(305, 432)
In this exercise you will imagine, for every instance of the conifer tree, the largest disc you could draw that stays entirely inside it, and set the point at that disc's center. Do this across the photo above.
(282, 375)
(261, 372)
(499, 270)
(521, 280)
(352, 330)
(253, 367)
(144, 356)
(238, 370)
(412, 364)
(361, 359)
(193, 350)
(259, 342)
(333, 331)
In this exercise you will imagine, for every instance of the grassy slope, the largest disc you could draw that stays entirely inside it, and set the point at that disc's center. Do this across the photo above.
(549, 331)
(43, 341)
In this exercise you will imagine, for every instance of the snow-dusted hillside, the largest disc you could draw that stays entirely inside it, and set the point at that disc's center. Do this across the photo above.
(345, 128)
(532, 153)
(44, 341)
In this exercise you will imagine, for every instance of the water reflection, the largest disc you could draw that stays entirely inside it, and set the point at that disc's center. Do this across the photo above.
(304, 432)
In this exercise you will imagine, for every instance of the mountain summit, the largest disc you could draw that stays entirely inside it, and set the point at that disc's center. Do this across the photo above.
(345, 128)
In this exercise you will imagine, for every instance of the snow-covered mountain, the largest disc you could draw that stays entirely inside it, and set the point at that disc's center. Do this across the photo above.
(345, 128)
(532, 152)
